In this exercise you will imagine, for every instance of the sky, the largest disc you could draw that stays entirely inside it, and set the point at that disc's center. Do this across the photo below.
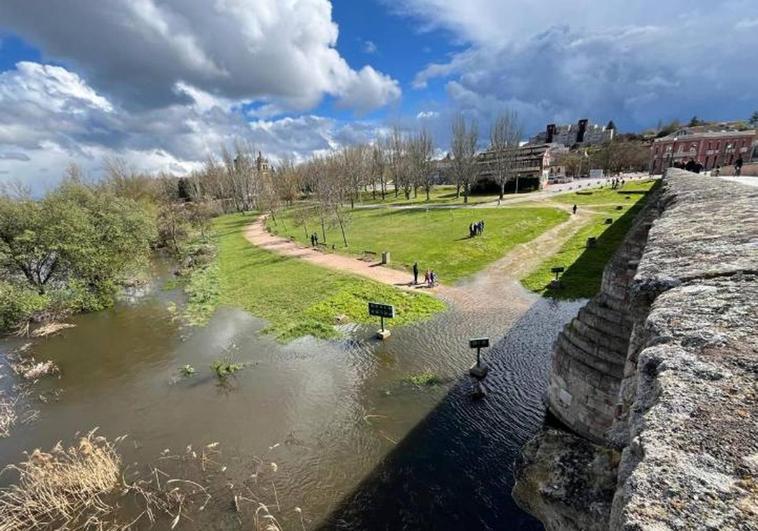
(164, 84)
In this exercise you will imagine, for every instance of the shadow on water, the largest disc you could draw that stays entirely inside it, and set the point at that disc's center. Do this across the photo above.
(453, 470)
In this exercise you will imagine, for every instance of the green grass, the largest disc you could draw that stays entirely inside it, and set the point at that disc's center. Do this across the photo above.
(605, 196)
(436, 238)
(584, 266)
(298, 298)
(439, 195)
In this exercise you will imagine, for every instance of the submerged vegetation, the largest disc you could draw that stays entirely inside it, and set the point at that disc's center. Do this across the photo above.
(226, 367)
(424, 379)
(87, 486)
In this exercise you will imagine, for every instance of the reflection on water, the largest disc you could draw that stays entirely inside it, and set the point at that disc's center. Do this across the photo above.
(357, 446)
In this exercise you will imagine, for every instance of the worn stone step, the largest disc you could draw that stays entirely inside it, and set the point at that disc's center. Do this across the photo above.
(602, 339)
(601, 361)
(618, 327)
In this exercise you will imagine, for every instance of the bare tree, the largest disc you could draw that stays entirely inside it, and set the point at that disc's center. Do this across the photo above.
(379, 169)
(420, 149)
(463, 148)
(397, 160)
(505, 135)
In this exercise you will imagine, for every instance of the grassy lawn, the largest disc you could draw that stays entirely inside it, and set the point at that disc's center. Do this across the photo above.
(605, 196)
(298, 298)
(584, 267)
(437, 238)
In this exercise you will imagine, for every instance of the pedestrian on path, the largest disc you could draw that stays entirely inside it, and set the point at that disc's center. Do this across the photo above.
(738, 166)
(574, 209)
(415, 273)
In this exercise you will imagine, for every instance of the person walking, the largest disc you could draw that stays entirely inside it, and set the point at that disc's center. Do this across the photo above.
(415, 273)
(313, 241)
(427, 277)
(573, 209)
(738, 166)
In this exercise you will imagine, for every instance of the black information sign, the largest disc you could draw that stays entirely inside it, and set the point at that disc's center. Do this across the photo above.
(479, 342)
(381, 310)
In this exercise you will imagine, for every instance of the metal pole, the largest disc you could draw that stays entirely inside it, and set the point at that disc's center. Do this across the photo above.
(478, 363)
(382, 318)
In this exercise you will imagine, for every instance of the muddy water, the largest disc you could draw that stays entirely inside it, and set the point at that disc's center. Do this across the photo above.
(355, 445)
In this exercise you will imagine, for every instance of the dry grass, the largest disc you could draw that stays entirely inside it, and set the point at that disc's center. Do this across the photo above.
(8, 415)
(81, 488)
(49, 329)
(31, 369)
(63, 488)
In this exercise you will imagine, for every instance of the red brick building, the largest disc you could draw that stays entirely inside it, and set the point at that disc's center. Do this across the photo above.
(710, 148)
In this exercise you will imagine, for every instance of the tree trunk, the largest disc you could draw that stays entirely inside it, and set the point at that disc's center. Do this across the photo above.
(502, 188)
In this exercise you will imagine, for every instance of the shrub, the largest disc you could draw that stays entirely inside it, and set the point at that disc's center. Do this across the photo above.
(19, 304)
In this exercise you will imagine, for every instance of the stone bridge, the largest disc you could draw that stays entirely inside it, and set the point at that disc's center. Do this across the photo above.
(654, 385)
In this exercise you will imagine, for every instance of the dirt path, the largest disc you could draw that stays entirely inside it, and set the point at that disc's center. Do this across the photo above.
(495, 287)
(257, 234)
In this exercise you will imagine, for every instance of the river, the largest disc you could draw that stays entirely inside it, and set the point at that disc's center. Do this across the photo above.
(355, 445)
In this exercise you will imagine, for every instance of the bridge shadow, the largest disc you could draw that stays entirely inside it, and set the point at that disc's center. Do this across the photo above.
(582, 279)
(453, 470)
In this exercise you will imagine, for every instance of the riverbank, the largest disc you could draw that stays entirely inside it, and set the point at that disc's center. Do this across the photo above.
(295, 297)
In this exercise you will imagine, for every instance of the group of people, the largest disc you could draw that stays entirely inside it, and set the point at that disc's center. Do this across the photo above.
(696, 166)
(314, 239)
(617, 183)
(691, 165)
(475, 229)
(430, 277)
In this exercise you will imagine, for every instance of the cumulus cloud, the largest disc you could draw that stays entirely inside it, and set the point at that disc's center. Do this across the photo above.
(634, 62)
(137, 51)
(52, 117)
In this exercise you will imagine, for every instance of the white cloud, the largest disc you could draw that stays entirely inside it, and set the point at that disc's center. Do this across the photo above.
(360, 90)
(369, 47)
(634, 62)
(747, 24)
(138, 50)
(52, 117)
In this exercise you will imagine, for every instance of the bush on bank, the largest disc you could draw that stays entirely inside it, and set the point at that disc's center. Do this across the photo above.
(69, 251)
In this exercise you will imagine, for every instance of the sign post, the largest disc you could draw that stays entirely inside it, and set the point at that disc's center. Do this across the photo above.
(555, 284)
(382, 311)
(479, 371)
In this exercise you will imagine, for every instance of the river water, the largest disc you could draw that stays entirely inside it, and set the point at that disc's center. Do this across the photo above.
(355, 445)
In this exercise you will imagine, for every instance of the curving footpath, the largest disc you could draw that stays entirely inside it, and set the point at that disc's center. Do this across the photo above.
(495, 287)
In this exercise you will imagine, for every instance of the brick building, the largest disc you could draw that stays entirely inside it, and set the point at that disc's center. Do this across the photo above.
(702, 144)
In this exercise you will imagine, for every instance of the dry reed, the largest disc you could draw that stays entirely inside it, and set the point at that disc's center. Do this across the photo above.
(63, 488)
(8, 415)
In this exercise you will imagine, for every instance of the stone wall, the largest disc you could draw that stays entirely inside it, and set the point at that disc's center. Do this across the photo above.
(674, 444)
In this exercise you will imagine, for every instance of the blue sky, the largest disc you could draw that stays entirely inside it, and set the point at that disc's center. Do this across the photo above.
(163, 84)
